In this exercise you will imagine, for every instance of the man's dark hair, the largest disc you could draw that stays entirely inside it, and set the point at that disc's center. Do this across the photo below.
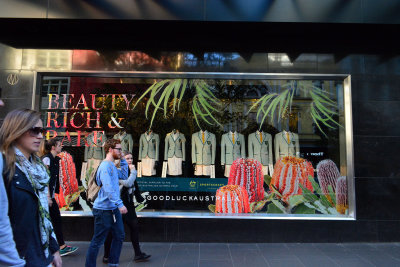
(110, 143)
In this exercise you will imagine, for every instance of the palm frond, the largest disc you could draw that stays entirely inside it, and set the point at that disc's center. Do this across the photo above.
(202, 107)
(164, 92)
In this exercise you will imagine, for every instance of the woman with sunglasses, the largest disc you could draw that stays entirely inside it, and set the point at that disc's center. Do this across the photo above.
(26, 180)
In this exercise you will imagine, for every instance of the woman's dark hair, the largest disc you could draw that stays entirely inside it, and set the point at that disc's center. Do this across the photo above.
(47, 145)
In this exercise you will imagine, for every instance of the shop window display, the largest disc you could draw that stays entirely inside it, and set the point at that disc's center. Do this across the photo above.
(258, 146)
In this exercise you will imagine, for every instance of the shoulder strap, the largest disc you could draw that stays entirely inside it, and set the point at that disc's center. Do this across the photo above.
(95, 175)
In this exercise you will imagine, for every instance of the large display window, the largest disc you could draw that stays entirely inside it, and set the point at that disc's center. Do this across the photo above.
(208, 144)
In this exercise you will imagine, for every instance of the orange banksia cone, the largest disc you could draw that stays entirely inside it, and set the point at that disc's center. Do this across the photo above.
(232, 199)
(289, 173)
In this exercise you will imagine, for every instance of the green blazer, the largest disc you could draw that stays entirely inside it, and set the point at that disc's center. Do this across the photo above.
(149, 147)
(231, 151)
(284, 148)
(260, 150)
(203, 153)
(95, 150)
(174, 147)
(126, 141)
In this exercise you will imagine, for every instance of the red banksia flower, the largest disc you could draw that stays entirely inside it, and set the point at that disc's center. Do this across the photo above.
(232, 199)
(248, 174)
(289, 173)
(67, 176)
(342, 203)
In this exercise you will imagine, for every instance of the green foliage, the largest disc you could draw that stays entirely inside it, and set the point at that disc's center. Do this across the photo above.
(211, 207)
(267, 179)
(332, 194)
(276, 207)
(322, 108)
(296, 200)
(256, 206)
(167, 95)
(205, 103)
(303, 209)
(321, 203)
(275, 190)
(140, 207)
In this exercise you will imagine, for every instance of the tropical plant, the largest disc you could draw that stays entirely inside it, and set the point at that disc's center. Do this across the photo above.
(322, 107)
(319, 201)
(162, 93)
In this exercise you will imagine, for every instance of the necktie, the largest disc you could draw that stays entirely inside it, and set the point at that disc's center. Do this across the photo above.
(233, 137)
(202, 137)
(288, 137)
(261, 137)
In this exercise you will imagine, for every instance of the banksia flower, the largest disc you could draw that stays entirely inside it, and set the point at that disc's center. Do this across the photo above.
(289, 172)
(342, 203)
(327, 175)
(67, 178)
(232, 199)
(248, 174)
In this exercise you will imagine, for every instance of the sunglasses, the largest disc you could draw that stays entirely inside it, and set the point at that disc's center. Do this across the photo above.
(120, 149)
(35, 131)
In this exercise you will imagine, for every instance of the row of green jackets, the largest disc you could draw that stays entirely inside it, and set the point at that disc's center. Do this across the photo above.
(203, 152)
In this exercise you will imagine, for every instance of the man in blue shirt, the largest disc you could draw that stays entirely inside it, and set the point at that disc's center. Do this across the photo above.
(108, 206)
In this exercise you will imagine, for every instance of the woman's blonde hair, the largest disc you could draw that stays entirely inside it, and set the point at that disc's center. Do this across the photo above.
(15, 124)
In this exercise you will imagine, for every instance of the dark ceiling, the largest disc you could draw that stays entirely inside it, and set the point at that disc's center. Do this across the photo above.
(201, 36)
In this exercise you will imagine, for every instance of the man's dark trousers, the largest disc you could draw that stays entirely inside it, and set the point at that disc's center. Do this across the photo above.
(103, 223)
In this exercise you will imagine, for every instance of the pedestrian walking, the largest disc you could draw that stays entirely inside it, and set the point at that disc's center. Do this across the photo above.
(129, 188)
(51, 149)
(8, 252)
(108, 206)
(26, 181)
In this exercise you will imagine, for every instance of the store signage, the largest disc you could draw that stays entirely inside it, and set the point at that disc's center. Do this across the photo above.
(12, 79)
(83, 112)
(180, 184)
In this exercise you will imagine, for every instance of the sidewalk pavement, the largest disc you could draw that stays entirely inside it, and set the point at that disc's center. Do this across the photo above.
(251, 254)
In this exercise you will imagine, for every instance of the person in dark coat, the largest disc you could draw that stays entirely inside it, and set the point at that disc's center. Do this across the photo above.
(51, 149)
(26, 182)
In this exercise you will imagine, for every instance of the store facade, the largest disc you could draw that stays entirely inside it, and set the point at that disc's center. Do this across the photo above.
(316, 123)
(79, 104)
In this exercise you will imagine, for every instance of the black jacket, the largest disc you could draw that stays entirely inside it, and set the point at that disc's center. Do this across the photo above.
(24, 217)
(54, 168)
(127, 198)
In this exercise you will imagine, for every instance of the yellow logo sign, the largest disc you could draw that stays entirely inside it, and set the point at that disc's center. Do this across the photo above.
(193, 184)
(12, 79)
